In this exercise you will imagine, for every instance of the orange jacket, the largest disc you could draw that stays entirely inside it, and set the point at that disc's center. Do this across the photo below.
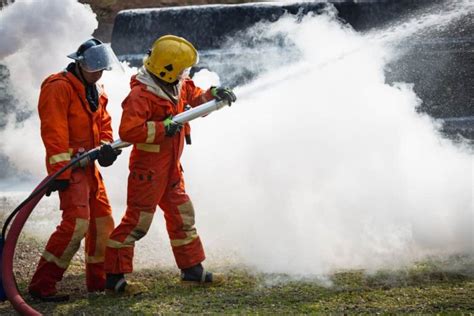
(144, 109)
(67, 122)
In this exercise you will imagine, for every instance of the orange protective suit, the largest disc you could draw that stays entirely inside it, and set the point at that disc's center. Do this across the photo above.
(68, 126)
(155, 174)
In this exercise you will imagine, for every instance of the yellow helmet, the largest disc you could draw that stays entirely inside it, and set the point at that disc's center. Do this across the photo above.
(169, 57)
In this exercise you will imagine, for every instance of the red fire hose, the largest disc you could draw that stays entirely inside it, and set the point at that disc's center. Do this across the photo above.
(19, 217)
(8, 279)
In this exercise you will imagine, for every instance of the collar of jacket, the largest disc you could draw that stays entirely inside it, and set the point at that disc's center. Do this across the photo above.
(144, 77)
(80, 89)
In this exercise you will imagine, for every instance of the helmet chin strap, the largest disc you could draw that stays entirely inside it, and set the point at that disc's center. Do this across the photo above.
(81, 74)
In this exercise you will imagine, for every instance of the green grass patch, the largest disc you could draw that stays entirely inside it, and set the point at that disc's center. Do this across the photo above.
(428, 287)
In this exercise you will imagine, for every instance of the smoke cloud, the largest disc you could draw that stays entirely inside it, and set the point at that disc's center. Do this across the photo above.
(36, 37)
(331, 167)
(321, 164)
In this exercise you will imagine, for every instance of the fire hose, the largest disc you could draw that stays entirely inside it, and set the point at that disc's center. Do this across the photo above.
(8, 286)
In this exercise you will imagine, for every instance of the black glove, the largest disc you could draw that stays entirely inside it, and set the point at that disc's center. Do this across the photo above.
(226, 94)
(171, 127)
(57, 185)
(107, 155)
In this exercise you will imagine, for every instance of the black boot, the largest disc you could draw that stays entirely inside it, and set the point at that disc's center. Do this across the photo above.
(115, 282)
(196, 274)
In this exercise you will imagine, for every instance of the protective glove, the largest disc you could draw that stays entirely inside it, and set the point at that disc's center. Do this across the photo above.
(57, 185)
(220, 93)
(171, 127)
(107, 155)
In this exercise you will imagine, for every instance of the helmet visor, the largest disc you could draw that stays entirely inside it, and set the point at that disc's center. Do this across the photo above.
(99, 57)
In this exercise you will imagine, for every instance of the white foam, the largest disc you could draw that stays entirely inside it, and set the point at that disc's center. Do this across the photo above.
(323, 168)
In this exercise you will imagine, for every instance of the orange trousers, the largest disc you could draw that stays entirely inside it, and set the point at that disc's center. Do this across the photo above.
(86, 213)
(146, 189)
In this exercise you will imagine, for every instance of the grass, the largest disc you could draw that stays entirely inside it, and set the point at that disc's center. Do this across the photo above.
(424, 288)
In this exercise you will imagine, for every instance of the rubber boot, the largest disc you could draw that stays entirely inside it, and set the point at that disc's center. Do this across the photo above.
(197, 275)
(116, 284)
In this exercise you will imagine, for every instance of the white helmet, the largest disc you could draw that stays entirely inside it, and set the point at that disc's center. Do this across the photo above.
(93, 55)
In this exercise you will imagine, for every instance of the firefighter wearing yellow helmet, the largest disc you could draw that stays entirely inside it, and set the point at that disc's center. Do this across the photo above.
(160, 90)
(170, 56)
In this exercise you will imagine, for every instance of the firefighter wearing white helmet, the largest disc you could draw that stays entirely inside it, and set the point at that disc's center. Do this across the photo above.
(160, 90)
(93, 55)
(72, 108)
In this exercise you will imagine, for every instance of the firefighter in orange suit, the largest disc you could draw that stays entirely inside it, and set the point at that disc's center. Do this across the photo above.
(160, 90)
(74, 119)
